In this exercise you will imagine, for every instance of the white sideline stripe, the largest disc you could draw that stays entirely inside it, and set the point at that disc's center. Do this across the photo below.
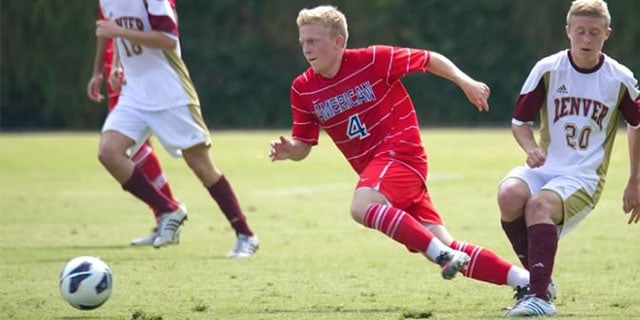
(333, 187)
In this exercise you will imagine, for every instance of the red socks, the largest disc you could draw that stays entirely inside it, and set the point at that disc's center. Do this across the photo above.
(485, 265)
(398, 225)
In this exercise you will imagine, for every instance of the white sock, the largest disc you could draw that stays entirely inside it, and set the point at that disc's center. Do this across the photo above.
(436, 248)
(517, 277)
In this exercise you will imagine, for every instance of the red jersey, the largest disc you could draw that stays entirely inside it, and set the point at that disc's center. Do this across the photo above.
(365, 109)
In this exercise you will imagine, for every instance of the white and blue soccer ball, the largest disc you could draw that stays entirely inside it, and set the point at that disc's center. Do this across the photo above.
(86, 282)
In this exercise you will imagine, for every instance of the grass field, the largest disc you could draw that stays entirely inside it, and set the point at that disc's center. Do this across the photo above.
(56, 202)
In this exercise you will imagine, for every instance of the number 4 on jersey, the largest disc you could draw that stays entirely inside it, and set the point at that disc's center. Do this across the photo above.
(356, 128)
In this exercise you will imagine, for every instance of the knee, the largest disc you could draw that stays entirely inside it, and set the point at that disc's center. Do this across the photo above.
(107, 154)
(512, 194)
(358, 211)
(362, 201)
(113, 148)
(512, 198)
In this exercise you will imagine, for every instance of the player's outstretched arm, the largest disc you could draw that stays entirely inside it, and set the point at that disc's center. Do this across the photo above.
(476, 92)
(631, 196)
(284, 148)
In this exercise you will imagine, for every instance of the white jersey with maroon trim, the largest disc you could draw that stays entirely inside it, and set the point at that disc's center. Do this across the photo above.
(579, 111)
(156, 79)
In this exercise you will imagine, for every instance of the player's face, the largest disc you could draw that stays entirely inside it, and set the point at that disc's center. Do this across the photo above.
(322, 51)
(587, 36)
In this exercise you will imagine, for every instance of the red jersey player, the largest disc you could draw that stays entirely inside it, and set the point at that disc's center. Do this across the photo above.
(356, 96)
(145, 157)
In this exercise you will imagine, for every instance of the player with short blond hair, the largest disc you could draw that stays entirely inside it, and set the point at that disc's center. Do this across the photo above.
(357, 98)
(579, 95)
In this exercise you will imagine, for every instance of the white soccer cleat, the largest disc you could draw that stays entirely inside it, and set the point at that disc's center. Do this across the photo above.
(245, 247)
(145, 240)
(452, 262)
(169, 227)
(531, 306)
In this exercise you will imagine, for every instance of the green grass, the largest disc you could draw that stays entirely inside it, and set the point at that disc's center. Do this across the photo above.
(56, 202)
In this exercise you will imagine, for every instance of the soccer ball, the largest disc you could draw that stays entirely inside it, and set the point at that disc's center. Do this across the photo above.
(86, 282)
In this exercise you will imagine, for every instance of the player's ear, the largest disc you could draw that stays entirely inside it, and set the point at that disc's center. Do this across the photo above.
(607, 33)
(340, 41)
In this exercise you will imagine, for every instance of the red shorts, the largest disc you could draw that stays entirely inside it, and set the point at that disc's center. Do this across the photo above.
(402, 186)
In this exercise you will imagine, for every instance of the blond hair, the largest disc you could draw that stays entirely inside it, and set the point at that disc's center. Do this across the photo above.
(589, 8)
(328, 16)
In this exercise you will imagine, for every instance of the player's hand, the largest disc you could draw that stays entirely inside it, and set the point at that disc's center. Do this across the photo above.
(631, 202)
(94, 88)
(280, 149)
(478, 94)
(536, 157)
(107, 29)
(116, 78)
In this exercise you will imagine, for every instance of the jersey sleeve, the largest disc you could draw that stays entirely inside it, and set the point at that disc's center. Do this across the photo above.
(629, 104)
(305, 126)
(630, 108)
(531, 98)
(394, 63)
(162, 17)
(528, 105)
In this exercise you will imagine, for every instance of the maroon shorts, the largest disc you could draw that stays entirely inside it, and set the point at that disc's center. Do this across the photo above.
(402, 186)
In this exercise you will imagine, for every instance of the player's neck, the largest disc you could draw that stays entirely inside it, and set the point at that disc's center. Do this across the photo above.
(586, 62)
(332, 71)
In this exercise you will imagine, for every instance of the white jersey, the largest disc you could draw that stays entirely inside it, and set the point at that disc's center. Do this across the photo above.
(579, 112)
(155, 79)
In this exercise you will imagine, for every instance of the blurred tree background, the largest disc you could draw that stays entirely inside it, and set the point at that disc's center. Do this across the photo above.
(243, 55)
